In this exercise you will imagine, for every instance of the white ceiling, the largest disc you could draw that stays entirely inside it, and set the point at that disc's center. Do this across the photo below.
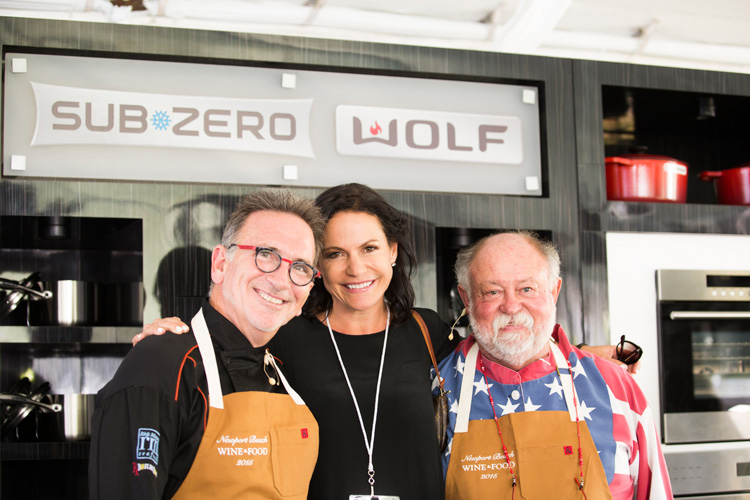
(698, 34)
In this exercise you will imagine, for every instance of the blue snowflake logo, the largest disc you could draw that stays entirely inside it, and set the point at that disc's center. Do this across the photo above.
(160, 120)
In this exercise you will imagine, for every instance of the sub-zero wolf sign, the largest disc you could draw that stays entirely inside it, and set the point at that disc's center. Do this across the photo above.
(433, 135)
(86, 117)
(67, 115)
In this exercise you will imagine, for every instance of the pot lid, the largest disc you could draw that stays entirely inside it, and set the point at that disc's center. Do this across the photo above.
(644, 156)
(14, 408)
(640, 152)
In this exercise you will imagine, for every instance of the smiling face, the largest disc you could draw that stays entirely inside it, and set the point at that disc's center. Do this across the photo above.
(356, 262)
(260, 303)
(511, 302)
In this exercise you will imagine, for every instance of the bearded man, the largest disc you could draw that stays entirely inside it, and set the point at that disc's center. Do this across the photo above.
(533, 417)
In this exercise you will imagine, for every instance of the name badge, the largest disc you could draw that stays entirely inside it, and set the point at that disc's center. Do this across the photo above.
(373, 497)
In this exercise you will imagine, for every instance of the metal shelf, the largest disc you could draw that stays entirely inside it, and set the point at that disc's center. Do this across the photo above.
(68, 334)
(78, 450)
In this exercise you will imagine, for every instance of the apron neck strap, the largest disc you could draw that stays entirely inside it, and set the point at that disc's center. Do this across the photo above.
(215, 394)
(200, 330)
(269, 359)
(467, 385)
(567, 381)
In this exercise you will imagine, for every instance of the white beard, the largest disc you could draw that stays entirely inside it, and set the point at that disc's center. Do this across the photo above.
(513, 348)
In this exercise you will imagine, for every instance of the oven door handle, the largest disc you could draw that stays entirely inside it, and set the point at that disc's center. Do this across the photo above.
(709, 315)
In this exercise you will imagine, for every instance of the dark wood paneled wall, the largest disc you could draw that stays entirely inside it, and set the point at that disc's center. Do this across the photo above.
(156, 203)
(575, 152)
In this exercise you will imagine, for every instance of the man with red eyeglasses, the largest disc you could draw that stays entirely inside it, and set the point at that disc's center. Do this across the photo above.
(532, 416)
(210, 414)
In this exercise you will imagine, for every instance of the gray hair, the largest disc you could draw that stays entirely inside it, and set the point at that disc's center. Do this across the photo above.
(274, 201)
(546, 249)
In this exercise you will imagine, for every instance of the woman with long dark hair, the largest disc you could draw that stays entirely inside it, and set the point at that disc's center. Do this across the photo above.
(357, 325)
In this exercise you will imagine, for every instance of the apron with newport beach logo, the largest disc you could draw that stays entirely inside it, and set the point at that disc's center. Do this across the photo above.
(256, 444)
(542, 448)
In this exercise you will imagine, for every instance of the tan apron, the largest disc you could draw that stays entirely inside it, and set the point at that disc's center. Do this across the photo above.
(542, 448)
(256, 444)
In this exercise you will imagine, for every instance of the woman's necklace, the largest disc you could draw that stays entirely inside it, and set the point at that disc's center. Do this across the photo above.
(369, 444)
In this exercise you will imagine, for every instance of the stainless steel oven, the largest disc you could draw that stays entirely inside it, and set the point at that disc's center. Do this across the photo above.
(704, 365)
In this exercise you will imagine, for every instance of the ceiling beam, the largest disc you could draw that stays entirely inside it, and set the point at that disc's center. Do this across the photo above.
(532, 22)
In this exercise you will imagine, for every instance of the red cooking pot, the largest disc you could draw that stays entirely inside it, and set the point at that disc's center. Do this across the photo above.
(643, 177)
(732, 185)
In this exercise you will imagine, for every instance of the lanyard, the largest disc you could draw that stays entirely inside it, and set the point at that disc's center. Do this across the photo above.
(497, 423)
(369, 444)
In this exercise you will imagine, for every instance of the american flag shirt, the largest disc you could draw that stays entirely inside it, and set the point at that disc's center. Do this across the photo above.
(611, 403)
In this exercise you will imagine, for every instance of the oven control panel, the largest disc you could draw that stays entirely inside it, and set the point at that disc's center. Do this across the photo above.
(710, 286)
(709, 469)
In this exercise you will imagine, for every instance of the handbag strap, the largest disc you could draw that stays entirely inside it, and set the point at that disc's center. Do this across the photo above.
(428, 341)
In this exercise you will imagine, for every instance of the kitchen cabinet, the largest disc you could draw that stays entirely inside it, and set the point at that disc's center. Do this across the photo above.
(670, 102)
(73, 340)
(706, 131)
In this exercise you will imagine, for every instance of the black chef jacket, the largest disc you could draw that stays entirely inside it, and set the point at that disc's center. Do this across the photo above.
(150, 418)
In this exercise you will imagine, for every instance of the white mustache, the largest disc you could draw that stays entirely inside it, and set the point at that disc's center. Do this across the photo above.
(522, 318)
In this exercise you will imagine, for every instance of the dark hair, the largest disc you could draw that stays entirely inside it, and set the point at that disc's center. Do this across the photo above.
(360, 198)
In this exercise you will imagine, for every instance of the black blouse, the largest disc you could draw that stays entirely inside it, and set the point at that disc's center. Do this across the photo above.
(406, 455)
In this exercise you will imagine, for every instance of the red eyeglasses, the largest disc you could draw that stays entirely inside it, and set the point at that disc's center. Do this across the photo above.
(268, 260)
